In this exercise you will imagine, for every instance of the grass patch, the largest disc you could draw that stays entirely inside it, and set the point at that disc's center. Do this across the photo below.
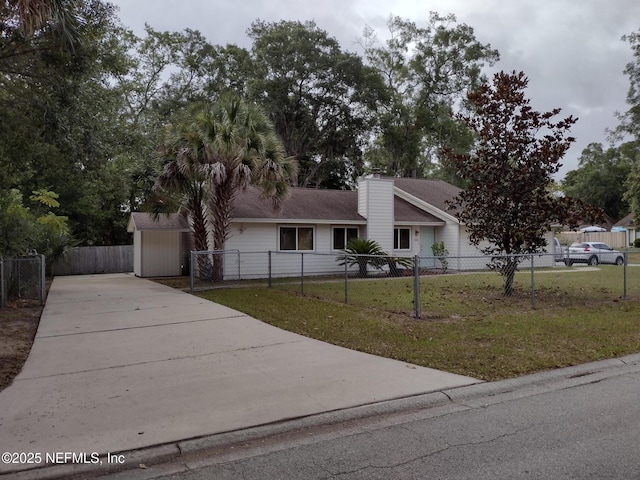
(490, 347)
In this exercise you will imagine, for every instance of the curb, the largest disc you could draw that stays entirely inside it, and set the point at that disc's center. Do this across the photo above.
(192, 453)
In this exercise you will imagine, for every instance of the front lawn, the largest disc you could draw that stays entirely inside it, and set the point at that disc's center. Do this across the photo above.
(468, 327)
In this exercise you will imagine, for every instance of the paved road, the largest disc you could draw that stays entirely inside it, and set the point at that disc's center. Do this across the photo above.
(584, 424)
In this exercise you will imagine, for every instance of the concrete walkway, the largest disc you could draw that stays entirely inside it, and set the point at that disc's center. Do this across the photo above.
(121, 363)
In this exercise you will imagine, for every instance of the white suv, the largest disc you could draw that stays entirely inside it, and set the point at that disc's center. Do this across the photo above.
(593, 253)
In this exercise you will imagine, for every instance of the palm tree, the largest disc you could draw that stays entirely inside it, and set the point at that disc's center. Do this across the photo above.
(241, 148)
(33, 15)
(224, 148)
(184, 176)
(365, 252)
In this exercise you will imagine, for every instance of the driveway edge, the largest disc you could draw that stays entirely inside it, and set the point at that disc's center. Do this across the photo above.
(192, 453)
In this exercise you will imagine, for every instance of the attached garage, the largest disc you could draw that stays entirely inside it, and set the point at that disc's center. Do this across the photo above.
(159, 245)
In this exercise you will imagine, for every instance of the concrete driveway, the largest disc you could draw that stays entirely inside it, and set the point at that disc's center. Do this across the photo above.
(121, 363)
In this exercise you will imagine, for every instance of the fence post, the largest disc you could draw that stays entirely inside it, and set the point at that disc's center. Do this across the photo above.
(346, 281)
(416, 285)
(624, 273)
(302, 273)
(238, 266)
(192, 269)
(269, 268)
(43, 266)
(533, 289)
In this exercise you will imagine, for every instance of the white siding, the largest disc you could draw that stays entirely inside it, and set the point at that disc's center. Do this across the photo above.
(160, 256)
(472, 256)
(255, 240)
(137, 253)
(379, 209)
(250, 238)
(362, 198)
(450, 236)
(549, 259)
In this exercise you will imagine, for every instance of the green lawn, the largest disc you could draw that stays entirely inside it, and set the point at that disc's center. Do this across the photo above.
(468, 327)
(476, 294)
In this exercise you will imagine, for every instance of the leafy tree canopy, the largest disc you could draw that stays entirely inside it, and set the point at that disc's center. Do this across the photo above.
(507, 203)
(426, 71)
(600, 178)
(318, 96)
(630, 120)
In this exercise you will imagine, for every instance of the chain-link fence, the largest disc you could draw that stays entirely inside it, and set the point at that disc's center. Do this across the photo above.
(22, 278)
(424, 287)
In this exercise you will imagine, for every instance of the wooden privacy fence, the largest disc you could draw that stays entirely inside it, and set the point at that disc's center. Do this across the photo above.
(91, 260)
(613, 239)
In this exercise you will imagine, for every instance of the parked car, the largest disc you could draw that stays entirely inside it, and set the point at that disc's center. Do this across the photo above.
(593, 253)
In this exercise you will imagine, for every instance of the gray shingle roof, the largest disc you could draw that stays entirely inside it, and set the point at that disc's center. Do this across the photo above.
(405, 212)
(168, 222)
(625, 222)
(434, 192)
(342, 205)
(304, 203)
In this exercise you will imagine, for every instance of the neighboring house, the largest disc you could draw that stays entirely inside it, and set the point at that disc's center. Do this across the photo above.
(629, 225)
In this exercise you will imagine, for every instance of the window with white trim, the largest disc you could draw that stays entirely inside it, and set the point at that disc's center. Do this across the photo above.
(342, 236)
(401, 238)
(296, 238)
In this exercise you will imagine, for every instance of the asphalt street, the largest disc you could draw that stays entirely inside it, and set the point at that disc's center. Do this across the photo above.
(583, 425)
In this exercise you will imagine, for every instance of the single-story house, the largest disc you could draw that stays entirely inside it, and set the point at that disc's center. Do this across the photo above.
(628, 223)
(405, 216)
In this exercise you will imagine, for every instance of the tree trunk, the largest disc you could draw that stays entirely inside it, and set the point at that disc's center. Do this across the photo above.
(201, 242)
(509, 274)
(220, 212)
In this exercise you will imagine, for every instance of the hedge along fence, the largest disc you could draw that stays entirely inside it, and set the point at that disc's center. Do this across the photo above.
(92, 260)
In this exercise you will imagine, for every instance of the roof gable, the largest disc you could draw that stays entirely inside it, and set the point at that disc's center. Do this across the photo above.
(625, 222)
(167, 222)
(433, 192)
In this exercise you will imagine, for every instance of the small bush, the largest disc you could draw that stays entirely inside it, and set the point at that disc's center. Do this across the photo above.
(636, 243)
(441, 253)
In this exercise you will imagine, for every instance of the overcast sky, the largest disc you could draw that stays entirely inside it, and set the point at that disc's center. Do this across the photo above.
(570, 49)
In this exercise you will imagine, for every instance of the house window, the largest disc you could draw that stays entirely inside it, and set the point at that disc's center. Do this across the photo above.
(296, 238)
(342, 236)
(401, 238)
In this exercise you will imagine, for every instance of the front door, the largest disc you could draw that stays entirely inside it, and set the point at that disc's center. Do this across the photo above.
(427, 239)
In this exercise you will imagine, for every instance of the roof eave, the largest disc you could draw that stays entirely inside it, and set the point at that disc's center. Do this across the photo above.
(300, 220)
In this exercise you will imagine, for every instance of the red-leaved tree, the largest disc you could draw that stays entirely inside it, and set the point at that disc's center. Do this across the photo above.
(508, 202)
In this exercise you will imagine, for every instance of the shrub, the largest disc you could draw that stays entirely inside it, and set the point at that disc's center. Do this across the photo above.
(365, 253)
(441, 253)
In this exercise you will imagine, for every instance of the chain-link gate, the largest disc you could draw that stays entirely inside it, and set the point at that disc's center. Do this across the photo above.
(22, 278)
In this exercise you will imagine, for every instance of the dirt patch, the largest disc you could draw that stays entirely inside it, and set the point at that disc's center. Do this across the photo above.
(18, 325)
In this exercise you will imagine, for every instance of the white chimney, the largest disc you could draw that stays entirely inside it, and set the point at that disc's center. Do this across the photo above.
(375, 203)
